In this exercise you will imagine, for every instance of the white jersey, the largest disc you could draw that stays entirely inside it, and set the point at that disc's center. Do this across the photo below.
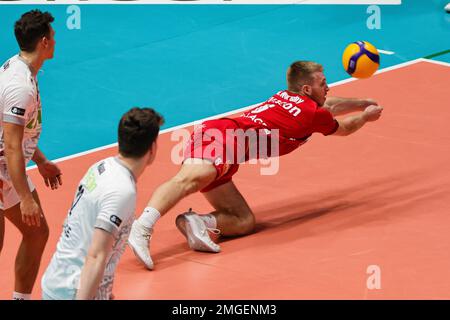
(20, 103)
(105, 199)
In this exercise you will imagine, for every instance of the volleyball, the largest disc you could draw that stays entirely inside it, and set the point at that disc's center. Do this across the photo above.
(361, 59)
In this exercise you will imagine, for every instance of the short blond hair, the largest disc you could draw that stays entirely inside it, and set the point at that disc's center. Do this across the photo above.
(300, 73)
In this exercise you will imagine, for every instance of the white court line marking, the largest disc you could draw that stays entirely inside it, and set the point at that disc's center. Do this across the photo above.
(334, 84)
(441, 63)
(386, 52)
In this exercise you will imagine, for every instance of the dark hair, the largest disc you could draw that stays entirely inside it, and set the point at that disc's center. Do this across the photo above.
(138, 129)
(300, 73)
(31, 27)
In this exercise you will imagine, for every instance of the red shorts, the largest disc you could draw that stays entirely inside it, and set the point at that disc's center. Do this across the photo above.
(209, 141)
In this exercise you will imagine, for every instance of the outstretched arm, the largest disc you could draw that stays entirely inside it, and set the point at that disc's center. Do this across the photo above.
(339, 106)
(351, 124)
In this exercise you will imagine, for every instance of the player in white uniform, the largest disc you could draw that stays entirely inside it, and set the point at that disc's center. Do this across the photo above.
(20, 128)
(98, 223)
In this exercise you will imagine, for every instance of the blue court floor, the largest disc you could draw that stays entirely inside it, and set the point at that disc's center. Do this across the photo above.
(194, 61)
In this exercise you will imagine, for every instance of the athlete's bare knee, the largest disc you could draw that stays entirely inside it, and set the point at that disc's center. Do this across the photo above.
(246, 224)
(244, 221)
(187, 184)
(37, 236)
(2, 236)
(2, 229)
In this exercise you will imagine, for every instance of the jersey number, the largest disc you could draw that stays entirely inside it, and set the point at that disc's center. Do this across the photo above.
(80, 192)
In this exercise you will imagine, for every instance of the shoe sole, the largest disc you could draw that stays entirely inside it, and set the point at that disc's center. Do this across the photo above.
(138, 256)
(194, 242)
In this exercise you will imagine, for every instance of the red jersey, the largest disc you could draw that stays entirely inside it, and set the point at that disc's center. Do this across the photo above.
(296, 117)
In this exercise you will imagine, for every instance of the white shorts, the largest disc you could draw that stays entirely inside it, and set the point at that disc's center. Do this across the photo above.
(8, 195)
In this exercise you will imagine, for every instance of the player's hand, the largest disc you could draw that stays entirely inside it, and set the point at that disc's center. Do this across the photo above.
(364, 103)
(31, 212)
(51, 174)
(370, 102)
(372, 113)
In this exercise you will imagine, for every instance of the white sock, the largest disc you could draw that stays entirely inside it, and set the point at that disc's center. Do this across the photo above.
(209, 220)
(149, 217)
(21, 296)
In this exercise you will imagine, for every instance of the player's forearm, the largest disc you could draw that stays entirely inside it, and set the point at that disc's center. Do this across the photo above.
(351, 124)
(16, 168)
(91, 276)
(339, 106)
(38, 156)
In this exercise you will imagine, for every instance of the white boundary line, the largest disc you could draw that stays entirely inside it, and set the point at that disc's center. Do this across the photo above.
(441, 63)
(386, 52)
(200, 2)
(334, 84)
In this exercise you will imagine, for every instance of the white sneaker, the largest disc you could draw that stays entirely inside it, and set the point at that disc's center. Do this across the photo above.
(196, 232)
(447, 7)
(139, 242)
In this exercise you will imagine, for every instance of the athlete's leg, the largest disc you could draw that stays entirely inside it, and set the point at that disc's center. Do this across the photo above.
(28, 257)
(233, 215)
(2, 218)
(2, 229)
(194, 175)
